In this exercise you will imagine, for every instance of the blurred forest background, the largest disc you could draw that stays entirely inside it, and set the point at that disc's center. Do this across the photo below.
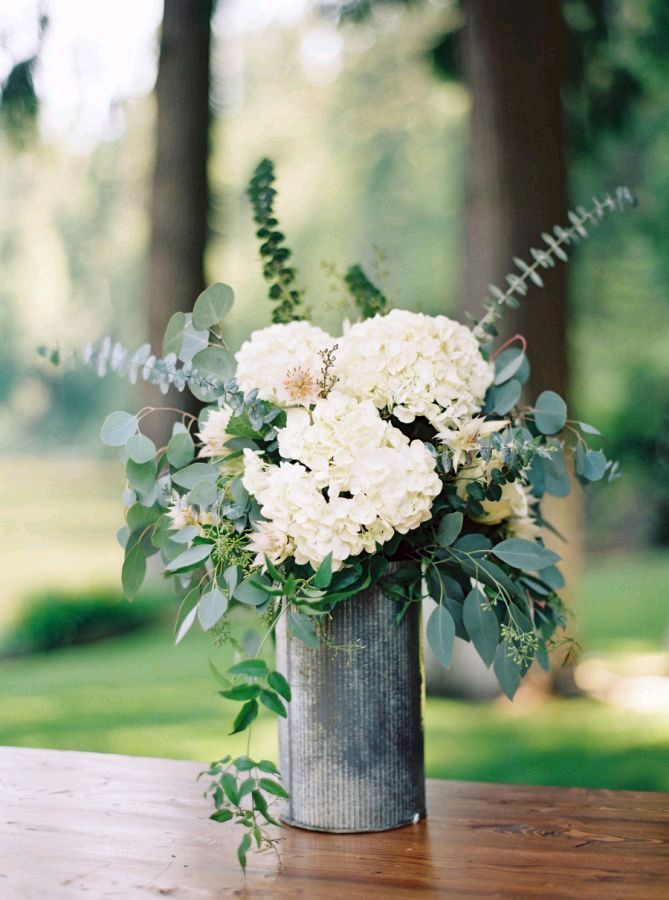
(429, 140)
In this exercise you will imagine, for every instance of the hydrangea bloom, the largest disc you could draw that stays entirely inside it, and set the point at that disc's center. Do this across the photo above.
(414, 365)
(377, 483)
(282, 362)
(330, 439)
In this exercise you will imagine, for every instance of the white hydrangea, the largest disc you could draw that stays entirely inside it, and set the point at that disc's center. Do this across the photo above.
(214, 433)
(330, 438)
(377, 482)
(282, 362)
(414, 365)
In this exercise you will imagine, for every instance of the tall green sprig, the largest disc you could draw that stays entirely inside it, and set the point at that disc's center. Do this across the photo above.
(278, 273)
(546, 257)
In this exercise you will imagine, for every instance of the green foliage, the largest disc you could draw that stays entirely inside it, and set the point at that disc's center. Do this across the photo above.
(278, 273)
(546, 257)
(366, 296)
(54, 620)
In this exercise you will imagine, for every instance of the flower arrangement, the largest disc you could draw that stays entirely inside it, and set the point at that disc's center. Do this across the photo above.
(317, 460)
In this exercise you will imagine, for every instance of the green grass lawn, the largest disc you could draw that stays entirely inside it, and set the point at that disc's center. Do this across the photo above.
(141, 695)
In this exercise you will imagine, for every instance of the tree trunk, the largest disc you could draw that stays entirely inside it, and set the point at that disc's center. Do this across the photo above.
(180, 193)
(514, 55)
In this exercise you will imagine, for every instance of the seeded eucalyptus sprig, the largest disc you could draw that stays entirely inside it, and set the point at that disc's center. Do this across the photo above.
(545, 258)
(278, 273)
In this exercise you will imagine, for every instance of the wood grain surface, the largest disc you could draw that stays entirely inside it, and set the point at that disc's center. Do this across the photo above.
(101, 826)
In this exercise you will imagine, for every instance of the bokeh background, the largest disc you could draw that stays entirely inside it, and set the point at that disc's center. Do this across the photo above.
(429, 140)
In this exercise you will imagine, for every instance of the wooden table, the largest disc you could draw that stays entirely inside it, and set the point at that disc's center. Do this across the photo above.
(86, 824)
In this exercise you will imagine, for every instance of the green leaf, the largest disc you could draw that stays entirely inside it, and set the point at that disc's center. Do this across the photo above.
(244, 845)
(180, 449)
(139, 516)
(261, 805)
(141, 476)
(507, 672)
(273, 787)
(204, 493)
(194, 473)
(186, 625)
(589, 429)
(449, 528)
(246, 787)
(118, 428)
(280, 685)
(194, 556)
(506, 397)
(481, 624)
(440, 634)
(271, 700)
(266, 765)
(222, 815)
(243, 763)
(134, 569)
(193, 341)
(229, 785)
(256, 668)
(249, 593)
(553, 578)
(594, 465)
(213, 305)
(241, 692)
(140, 448)
(215, 361)
(302, 628)
(508, 363)
(526, 555)
(323, 576)
(550, 413)
(174, 334)
(213, 604)
(245, 716)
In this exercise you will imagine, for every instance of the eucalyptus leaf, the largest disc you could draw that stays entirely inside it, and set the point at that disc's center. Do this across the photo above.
(118, 428)
(449, 528)
(250, 594)
(302, 628)
(194, 340)
(550, 413)
(509, 363)
(192, 557)
(440, 634)
(180, 449)
(194, 473)
(140, 448)
(134, 569)
(506, 397)
(186, 625)
(529, 556)
(481, 624)
(212, 606)
(506, 670)
(213, 305)
(174, 334)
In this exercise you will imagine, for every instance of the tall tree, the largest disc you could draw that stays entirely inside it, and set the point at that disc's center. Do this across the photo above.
(180, 192)
(514, 56)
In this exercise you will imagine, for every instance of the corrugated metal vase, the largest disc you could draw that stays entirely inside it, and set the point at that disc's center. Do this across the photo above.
(351, 749)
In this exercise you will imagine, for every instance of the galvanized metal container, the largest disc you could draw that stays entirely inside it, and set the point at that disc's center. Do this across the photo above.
(351, 749)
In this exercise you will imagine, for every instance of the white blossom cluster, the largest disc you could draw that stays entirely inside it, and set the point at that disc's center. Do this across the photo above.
(282, 363)
(414, 365)
(349, 479)
(376, 483)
